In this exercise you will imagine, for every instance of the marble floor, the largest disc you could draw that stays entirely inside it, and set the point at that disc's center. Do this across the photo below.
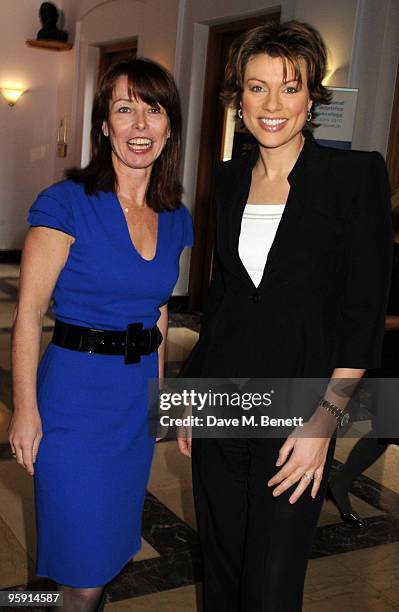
(351, 570)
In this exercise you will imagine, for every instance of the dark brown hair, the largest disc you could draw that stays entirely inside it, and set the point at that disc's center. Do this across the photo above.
(292, 41)
(153, 84)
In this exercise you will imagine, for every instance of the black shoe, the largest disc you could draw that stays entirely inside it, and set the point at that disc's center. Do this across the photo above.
(349, 516)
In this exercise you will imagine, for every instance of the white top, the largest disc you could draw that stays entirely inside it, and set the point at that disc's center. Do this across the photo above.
(258, 228)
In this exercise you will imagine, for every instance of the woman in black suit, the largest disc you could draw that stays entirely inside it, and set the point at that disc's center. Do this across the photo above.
(298, 290)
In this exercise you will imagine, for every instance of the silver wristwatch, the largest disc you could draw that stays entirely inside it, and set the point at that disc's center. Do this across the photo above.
(340, 414)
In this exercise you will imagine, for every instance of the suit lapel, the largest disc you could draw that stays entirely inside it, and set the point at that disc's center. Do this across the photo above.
(240, 193)
(304, 179)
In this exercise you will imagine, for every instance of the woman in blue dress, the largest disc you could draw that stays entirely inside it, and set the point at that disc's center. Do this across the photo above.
(105, 246)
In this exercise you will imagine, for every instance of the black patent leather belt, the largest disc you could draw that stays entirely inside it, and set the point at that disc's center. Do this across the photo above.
(132, 342)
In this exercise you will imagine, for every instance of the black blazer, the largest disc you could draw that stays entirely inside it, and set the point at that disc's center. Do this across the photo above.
(323, 296)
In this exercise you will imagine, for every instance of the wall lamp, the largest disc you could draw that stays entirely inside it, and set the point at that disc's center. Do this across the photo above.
(12, 94)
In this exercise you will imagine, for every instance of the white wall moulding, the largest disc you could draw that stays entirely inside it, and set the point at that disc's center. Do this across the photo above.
(98, 4)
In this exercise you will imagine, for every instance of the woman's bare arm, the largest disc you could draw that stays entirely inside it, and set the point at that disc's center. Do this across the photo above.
(301, 455)
(44, 255)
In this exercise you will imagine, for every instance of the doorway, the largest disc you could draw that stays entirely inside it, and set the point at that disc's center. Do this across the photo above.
(97, 60)
(215, 140)
(111, 54)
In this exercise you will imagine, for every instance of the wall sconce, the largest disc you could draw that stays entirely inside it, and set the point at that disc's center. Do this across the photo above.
(12, 94)
(329, 73)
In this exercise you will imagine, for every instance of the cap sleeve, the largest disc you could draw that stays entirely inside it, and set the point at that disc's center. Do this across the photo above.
(53, 208)
(188, 233)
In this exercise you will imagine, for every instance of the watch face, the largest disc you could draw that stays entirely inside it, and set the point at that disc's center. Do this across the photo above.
(345, 419)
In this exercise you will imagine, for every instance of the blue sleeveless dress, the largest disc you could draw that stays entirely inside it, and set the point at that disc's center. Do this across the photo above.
(94, 458)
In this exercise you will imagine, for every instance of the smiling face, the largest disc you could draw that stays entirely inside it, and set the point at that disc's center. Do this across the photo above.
(138, 132)
(274, 110)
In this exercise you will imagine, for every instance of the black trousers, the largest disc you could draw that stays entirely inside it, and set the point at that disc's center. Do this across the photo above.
(255, 547)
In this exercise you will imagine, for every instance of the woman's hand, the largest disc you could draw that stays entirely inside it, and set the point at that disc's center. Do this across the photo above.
(25, 433)
(306, 463)
(184, 440)
(303, 456)
(185, 434)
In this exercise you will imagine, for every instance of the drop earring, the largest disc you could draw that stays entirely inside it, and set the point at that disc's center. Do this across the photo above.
(309, 116)
(239, 113)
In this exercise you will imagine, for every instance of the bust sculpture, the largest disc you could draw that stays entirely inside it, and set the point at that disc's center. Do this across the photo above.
(48, 14)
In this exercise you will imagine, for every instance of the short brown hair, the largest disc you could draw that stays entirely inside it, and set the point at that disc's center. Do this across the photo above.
(150, 82)
(292, 41)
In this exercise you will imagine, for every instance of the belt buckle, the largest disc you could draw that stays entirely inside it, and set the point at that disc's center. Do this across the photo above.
(132, 347)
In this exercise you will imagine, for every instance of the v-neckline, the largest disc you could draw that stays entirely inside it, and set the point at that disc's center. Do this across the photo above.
(283, 215)
(129, 237)
(284, 222)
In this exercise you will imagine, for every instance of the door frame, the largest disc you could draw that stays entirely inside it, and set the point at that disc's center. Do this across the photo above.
(108, 49)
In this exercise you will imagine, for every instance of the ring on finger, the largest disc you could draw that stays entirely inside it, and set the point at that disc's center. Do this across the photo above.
(309, 476)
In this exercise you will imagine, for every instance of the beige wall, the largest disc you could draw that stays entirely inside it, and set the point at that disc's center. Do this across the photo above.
(373, 71)
(361, 36)
(336, 21)
(57, 82)
(27, 131)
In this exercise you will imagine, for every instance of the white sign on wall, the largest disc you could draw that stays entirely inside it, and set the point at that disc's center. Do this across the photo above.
(337, 118)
